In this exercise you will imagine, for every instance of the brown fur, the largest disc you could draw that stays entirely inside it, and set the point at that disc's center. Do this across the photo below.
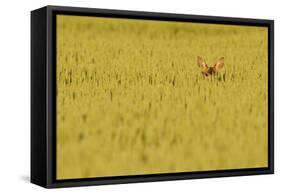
(206, 70)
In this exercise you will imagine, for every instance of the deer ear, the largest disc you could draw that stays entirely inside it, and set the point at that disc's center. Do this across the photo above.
(219, 65)
(201, 63)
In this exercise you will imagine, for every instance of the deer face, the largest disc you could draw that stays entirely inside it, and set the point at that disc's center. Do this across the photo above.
(206, 70)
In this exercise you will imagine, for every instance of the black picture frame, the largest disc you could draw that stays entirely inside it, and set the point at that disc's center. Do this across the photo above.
(43, 96)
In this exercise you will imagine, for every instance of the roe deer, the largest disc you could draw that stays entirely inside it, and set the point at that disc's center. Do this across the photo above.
(206, 70)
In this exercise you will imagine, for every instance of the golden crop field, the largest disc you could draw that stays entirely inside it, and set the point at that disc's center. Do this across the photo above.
(131, 98)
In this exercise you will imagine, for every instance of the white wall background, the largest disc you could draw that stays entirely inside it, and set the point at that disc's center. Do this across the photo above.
(15, 95)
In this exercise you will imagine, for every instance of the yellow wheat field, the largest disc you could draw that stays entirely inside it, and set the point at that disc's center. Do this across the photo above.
(131, 98)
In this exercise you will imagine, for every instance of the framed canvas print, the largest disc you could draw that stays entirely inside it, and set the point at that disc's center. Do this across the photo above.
(126, 96)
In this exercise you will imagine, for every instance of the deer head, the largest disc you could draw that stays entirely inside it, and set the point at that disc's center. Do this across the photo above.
(206, 70)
